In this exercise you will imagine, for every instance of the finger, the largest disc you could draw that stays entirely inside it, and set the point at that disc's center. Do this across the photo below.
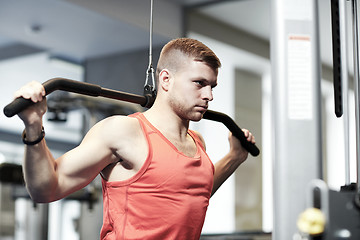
(231, 136)
(37, 90)
(33, 90)
(251, 138)
(32, 94)
(246, 132)
(17, 94)
(23, 92)
(248, 135)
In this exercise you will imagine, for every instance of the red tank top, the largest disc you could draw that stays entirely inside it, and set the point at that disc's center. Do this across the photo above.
(166, 199)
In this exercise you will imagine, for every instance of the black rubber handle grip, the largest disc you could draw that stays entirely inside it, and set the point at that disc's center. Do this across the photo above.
(83, 88)
(50, 86)
(236, 131)
(17, 106)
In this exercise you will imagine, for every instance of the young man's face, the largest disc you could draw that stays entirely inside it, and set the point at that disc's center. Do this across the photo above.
(191, 89)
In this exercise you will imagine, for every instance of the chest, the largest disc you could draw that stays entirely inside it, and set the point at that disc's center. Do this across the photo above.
(171, 169)
(187, 147)
(129, 155)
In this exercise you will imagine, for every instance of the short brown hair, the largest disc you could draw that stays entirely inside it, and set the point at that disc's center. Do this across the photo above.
(169, 57)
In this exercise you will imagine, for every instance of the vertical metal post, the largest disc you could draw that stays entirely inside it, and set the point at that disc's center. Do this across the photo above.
(345, 85)
(296, 109)
(356, 86)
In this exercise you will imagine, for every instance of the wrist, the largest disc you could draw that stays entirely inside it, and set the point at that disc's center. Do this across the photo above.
(33, 140)
(32, 131)
(32, 121)
(238, 155)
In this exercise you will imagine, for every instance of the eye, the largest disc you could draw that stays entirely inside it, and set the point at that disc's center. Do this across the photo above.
(199, 82)
(213, 86)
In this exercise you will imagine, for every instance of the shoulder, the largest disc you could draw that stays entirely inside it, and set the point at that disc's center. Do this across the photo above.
(202, 141)
(117, 122)
(115, 128)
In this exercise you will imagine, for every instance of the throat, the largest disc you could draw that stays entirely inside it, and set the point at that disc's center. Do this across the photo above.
(177, 134)
(187, 147)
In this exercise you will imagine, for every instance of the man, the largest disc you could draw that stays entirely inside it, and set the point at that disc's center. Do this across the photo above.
(156, 176)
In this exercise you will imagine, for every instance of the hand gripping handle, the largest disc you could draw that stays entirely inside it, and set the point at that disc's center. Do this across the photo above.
(236, 131)
(20, 104)
(83, 88)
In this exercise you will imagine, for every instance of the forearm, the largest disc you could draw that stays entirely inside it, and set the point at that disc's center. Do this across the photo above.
(224, 168)
(39, 168)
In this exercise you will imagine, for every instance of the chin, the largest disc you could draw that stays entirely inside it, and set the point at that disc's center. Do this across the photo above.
(197, 117)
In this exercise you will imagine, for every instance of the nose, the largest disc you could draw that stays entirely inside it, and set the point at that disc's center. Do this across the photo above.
(207, 93)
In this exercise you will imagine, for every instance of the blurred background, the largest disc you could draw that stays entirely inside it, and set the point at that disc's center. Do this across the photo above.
(107, 43)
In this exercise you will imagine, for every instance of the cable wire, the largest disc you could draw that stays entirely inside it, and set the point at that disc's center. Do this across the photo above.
(150, 69)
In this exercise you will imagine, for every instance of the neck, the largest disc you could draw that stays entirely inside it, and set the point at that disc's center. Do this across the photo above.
(166, 120)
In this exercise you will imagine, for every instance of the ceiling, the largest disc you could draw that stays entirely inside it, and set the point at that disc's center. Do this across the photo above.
(79, 29)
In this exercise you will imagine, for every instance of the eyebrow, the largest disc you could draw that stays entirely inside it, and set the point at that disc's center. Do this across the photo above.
(214, 85)
(205, 81)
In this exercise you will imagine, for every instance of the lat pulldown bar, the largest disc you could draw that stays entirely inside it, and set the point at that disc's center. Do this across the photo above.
(89, 89)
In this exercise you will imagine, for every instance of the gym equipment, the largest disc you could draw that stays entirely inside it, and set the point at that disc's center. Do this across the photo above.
(145, 101)
(341, 208)
(340, 76)
(64, 84)
(11, 173)
(296, 109)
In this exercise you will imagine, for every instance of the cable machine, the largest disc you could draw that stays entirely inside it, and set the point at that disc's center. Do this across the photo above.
(304, 206)
(146, 100)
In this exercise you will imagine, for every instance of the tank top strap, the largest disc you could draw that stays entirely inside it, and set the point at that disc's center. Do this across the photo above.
(196, 138)
(143, 123)
(146, 127)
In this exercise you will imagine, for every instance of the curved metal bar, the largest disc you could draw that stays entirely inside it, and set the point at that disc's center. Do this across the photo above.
(89, 89)
(234, 128)
(84, 88)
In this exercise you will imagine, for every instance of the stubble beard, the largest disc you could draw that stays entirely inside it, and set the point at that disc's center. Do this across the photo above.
(185, 113)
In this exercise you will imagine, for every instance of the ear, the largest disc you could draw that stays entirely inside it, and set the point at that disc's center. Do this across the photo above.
(164, 79)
